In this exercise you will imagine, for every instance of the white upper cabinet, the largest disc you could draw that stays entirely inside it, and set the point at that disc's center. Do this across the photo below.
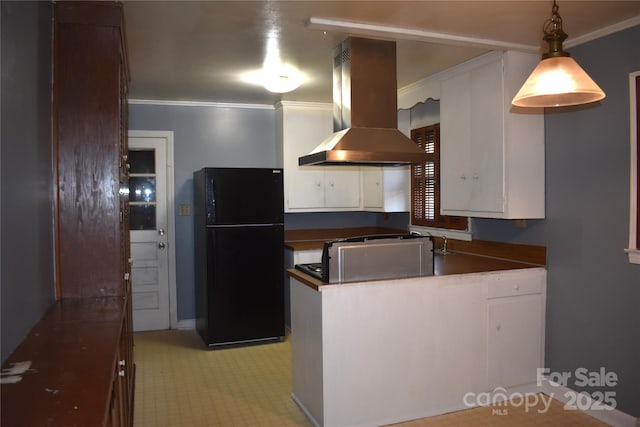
(300, 128)
(386, 189)
(492, 154)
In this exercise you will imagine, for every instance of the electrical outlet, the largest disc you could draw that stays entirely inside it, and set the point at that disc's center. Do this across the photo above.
(184, 210)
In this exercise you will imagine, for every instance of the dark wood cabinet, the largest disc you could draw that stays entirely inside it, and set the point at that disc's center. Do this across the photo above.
(81, 352)
(90, 140)
(90, 119)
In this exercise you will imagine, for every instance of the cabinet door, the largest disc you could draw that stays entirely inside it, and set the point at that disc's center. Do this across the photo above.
(486, 144)
(455, 148)
(302, 130)
(305, 189)
(515, 336)
(372, 188)
(472, 141)
(342, 187)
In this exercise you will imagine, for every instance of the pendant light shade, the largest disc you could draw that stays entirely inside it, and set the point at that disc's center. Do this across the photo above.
(558, 80)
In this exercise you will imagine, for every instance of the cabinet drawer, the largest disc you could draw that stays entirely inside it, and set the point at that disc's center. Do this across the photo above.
(507, 285)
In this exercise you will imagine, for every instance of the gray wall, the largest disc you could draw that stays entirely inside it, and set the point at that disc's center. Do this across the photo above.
(205, 136)
(593, 305)
(26, 286)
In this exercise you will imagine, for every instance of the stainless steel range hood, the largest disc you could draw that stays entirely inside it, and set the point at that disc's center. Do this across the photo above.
(365, 104)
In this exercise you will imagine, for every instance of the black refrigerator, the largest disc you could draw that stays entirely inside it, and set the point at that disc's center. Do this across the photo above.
(239, 255)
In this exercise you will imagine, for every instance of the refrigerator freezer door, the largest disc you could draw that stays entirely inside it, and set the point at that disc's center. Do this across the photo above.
(245, 285)
(244, 196)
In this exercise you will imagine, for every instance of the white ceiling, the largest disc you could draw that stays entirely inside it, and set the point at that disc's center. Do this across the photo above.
(194, 51)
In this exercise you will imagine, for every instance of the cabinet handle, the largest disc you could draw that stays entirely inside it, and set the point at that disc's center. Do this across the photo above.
(121, 373)
(463, 177)
(126, 276)
(475, 176)
(498, 326)
(122, 362)
(516, 287)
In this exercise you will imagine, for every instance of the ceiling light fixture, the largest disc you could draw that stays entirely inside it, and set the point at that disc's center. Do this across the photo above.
(281, 78)
(557, 80)
(277, 76)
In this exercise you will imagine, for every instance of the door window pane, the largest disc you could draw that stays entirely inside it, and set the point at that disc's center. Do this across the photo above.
(142, 217)
(142, 189)
(142, 161)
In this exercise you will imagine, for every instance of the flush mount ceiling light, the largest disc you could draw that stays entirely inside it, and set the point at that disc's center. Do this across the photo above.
(275, 75)
(281, 78)
(558, 80)
(278, 76)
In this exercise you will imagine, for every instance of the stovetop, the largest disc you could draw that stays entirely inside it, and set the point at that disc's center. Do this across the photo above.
(313, 269)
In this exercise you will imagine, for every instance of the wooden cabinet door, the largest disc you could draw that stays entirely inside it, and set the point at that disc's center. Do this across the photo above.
(89, 122)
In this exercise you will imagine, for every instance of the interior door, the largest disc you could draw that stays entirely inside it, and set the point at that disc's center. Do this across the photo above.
(148, 219)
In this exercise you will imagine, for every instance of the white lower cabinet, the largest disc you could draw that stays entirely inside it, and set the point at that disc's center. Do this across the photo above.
(515, 334)
(382, 352)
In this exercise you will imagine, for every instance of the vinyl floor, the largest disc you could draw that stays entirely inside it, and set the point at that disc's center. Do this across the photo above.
(179, 384)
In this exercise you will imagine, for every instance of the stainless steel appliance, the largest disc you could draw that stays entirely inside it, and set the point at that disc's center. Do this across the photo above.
(239, 252)
(373, 257)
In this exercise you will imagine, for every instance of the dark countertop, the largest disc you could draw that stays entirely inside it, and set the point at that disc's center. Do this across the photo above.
(72, 353)
(453, 263)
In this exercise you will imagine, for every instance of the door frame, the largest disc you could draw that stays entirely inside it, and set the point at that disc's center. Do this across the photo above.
(170, 197)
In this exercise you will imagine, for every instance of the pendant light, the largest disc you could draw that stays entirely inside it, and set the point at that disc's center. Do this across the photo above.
(558, 80)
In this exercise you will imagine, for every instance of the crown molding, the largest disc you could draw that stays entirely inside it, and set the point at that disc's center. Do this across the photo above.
(307, 105)
(602, 32)
(175, 103)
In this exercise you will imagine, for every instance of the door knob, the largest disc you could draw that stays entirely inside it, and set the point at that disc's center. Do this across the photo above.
(161, 245)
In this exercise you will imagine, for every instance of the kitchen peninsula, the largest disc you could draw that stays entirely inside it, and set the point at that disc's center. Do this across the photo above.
(386, 351)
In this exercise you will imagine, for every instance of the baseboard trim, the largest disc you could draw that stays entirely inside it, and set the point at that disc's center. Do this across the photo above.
(604, 413)
(304, 410)
(186, 324)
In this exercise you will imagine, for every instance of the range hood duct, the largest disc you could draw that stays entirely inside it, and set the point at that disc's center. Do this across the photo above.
(365, 110)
